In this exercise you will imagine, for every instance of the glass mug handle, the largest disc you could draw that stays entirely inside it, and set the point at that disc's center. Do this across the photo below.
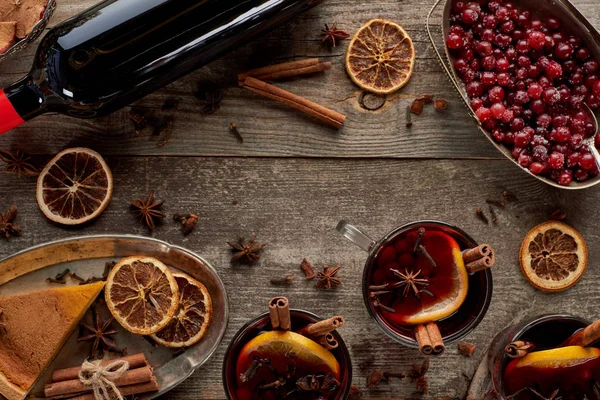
(354, 235)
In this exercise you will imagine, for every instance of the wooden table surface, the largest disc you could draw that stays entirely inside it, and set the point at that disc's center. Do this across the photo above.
(293, 179)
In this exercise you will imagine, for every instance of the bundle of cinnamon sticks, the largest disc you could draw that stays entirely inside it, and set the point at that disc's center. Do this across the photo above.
(428, 336)
(138, 379)
(255, 80)
(321, 332)
(584, 337)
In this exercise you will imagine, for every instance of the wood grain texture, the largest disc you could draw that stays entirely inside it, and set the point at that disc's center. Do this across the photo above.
(272, 129)
(293, 205)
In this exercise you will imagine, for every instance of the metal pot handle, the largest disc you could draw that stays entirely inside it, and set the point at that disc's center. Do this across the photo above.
(446, 68)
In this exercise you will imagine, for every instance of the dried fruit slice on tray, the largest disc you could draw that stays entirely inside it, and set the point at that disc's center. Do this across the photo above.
(75, 186)
(7, 35)
(142, 294)
(193, 316)
(380, 57)
(553, 256)
(26, 13)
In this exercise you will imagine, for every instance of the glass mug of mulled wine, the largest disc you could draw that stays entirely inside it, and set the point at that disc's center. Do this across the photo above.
(265, 362)
(546, 357)
(426, 284)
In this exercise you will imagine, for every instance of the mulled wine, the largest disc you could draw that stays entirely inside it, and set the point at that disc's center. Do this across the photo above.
(263, 363)
(554, 360)
(416, 279)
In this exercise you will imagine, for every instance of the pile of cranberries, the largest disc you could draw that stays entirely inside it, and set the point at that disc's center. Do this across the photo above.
(528, 80)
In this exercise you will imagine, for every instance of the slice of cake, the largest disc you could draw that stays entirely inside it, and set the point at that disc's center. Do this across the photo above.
(33, 328)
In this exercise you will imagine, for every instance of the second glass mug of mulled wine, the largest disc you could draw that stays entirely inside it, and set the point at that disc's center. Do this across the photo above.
(545, 357)
(426, 284)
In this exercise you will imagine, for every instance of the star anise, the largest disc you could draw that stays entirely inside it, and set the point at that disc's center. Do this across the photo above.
(333, 34)
(328, 279)
(100, 334)
(7, 227)
(248, 251)
(409, 282)
(18, 163)
(148, 210)
(417, 376)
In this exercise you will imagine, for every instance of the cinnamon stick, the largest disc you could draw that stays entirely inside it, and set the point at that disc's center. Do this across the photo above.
(433, 330)
(134, 361)
(151, 386)
(324, 327)
(519, 349)
(328, 341)
(313, 109)
(480, 265)
(476, 253)
(285, 70)
(479, 258)
(585, 337)
(74, 386)
(279, 310)
(423, 340)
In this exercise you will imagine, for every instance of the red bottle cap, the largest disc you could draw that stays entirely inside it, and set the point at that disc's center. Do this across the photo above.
(9, 118)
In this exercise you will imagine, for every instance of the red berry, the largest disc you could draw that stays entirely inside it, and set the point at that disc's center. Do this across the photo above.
(554, 70)
(524, 160)
(551, 96)
(496, 94)
(483, 114)
(469, 16)
(454, 41)
(536, 168)
(536, 40)
(587, 161)
(474, 89)
(563, 50)
(502, 64)
(553, 23)
(556, 160)
(498, 110)
(522, 139)
(565, 177)
(538, 106)
(535, 91)
(596, 89)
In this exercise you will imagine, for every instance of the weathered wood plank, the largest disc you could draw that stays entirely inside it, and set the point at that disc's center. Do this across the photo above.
(271, 129)
(294, 206)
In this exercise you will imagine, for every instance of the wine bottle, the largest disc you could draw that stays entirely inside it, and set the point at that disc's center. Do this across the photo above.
(121, 50)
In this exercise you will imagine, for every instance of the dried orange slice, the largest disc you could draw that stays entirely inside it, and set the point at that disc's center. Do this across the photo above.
(193, 315)
(380, 57)
(553, 256)
(74, 187)
(142, 294)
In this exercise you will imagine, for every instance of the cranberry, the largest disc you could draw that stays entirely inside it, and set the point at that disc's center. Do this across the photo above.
(493, 5)
(549, 43)
(554, 70)
(581, 174)
(596, 89)
(527, 115)
(551, 96)
(590, 66)
(502, 64)
(502, 14)
(593, 101)
(580, 90)
(524, 160)
(460, 64)
(522, 74)
(490, 124)
(536, 40)
(476, 104)
(454, 41)
(518, 34)
(535, 91)
(558, 37)
(475, 65)
(490, 21)
(523, 19)
(562, 134)
(524, 61)
(536, 168)
(545, 82)
(503, 79)
(507, 117)
(509, 138)
(582, 54)
(538, 106)
(536, 24)
(469, 16)
(516, 152)
(556, 160)
(521, 97)
(498, 110)
(488, 35)
(587, 161)
(474, 89)
(489, 63)
(565, 93)
(522, 46)
(576, 78)
(565, 177)
(559, 120)
(575, 41)
(544, 120)
(576, 102)
(522, 139)
(507, 27)
(484, 48)
(540, 152)
(483, 113)
(467, 54)
(576, 142)
(498, 135)
(590, 81)
(511, 54)
(573, 159)
(563, 50)
(590, 128)
(496, 94)
(553, 23)
(534, 71)
(517, 124)
(488, 78)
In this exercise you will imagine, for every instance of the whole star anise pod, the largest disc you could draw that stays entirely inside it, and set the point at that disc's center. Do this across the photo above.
(7, 227)
(248, 251)
(148, 210)
(17, 163)
(333, 34)
(328, 279)
(100, 334)
(417, 376)
(411, 282)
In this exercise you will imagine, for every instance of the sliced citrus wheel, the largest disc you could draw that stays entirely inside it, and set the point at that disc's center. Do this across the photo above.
(280, 346)
(142, 294)
(74, 187)
(380, 57)
(573, 364)
(446, 288)
(553, 256)
(193, 315)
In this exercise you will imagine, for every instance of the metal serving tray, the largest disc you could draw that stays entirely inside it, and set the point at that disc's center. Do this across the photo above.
(27, 270)
(569, 16)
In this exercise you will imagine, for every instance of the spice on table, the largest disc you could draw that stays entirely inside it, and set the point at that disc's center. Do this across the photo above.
(417, 376)
(313, 109)
(76, 277)
(332, 35)
(417, 106)
(374, 378)
(60, 277)
(466, 348)
(188, 222)
(558, 215)
(285, 281)
(233, 128)
(286, 70)
(409, 123)
(355, 393)
(327, 279)
(440, 104)
(148, 210)
(18, 163)
(482, 217)
(100, 334)
(248, 251)
(7, 226)
(308, 269)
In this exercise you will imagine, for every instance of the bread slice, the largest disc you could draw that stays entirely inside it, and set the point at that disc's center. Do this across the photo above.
(36, 326)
